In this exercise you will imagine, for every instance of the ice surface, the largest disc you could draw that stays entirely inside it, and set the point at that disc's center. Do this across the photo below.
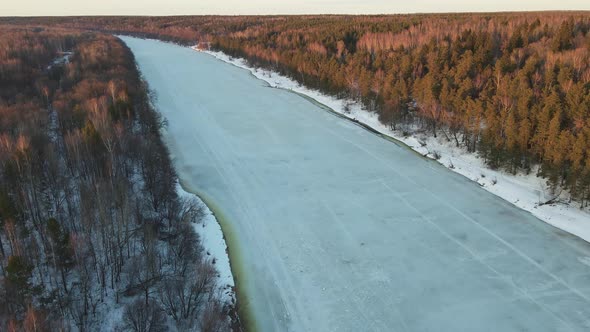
(341, 230)
(525, 191)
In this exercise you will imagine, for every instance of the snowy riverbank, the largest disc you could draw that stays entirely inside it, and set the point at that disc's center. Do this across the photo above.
(214, 245)
(524, 191)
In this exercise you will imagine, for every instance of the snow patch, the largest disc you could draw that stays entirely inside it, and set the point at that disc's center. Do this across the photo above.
(63, 59)
(214, 246)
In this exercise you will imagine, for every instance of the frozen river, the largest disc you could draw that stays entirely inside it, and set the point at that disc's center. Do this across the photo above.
(334, 228)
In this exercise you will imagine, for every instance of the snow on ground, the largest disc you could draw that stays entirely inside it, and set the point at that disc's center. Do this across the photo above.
(113, 316)
(213, 241)
(63, 59)
(336, 229)
(524, 191)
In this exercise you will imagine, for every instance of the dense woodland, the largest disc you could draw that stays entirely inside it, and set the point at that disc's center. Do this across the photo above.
(89, 216)
(513, 87)
(91, 227)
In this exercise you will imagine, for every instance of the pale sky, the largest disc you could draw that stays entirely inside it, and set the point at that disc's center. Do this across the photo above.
(237, 7)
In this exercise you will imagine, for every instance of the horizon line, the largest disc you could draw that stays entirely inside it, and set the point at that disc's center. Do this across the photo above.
(308, 14)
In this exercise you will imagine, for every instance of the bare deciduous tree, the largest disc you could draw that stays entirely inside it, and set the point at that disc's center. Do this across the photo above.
(142, 317)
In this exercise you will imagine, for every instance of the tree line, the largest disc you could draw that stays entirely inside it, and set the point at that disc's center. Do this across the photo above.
(513, 87)
(90, 220)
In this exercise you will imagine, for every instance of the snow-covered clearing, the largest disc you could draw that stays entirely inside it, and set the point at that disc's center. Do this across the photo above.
(528, 192)
(336, 229)
(64, 58)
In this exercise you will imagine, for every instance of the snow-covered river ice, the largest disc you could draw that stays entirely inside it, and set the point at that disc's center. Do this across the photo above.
(333, 228)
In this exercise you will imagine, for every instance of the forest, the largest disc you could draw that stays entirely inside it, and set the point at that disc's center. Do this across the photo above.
(512, 87)
(91, 227)
(89, 215)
